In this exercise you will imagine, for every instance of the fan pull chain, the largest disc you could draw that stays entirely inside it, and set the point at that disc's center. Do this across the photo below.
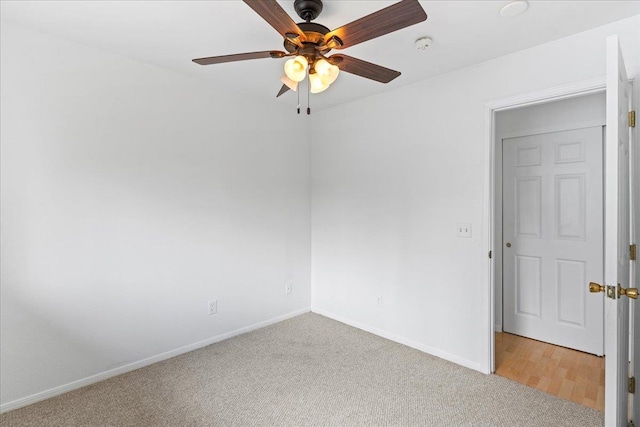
(298, 92)
(308, 96)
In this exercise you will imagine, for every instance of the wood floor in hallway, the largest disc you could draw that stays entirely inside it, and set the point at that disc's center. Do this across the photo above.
(566, 373)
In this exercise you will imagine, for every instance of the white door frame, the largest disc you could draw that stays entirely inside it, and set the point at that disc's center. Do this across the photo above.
(586, 87)
(487, 362)
(526, 130)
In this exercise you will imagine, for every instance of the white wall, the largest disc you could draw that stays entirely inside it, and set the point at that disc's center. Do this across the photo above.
(395, 173)
(130, 197)
(573, 113)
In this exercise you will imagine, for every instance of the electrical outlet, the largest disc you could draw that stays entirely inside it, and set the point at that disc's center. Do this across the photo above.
(379, 302)
(463, 230)
(213, 307)
(288, 288)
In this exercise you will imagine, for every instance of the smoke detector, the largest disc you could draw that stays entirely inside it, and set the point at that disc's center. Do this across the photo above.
(423, 42)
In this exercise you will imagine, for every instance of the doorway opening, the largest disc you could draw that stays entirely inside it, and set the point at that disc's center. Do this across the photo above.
(548, 242)
(569, 374)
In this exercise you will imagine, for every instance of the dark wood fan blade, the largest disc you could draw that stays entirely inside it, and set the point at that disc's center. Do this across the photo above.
(363, 68)
(239, 57)
(283, 89)
(275, 15)
(384, 21)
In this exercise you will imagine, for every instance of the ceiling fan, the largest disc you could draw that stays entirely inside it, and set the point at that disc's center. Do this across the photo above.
(307, 43)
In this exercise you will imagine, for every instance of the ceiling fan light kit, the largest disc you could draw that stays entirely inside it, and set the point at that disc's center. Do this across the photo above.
(296, 68)
(328, 72)
(289, 83)
(308, 43)
(316, 85)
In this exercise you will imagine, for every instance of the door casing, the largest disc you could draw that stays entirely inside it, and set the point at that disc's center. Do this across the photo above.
(487, 362)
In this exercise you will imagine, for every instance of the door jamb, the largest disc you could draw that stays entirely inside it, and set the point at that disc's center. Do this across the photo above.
(587, 87)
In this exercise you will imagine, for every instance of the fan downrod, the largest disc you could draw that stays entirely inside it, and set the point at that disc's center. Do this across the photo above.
(308, 9)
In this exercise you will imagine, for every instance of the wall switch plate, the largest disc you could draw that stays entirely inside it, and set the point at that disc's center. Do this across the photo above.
(288, 288)
(213, 307)
(463, 230)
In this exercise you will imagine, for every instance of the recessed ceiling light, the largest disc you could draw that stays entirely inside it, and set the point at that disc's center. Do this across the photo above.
(514, 8)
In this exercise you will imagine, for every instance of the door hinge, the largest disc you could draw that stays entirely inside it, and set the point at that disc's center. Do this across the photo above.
(632, 252)
(490, 254)
(632, 385)
(632, 119)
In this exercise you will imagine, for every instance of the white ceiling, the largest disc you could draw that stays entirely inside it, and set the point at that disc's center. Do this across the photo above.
(169, 34)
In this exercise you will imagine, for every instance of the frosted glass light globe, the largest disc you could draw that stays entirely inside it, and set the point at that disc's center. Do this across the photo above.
(328, 72)
(318, 84)
(296, 68)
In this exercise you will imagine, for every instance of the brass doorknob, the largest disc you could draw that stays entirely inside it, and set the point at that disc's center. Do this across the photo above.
(596, 287)
(508, 245)
(629, 292)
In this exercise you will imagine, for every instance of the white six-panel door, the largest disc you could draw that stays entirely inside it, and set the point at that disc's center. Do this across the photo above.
(553, 237)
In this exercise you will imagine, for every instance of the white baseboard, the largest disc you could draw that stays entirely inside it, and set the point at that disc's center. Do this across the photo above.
(497, 328)
(37, 397)
(401, 340)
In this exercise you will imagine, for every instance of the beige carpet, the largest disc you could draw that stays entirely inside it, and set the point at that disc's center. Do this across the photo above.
(306, 371)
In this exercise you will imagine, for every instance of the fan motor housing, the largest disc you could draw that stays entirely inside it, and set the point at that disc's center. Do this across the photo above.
(314, 33)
